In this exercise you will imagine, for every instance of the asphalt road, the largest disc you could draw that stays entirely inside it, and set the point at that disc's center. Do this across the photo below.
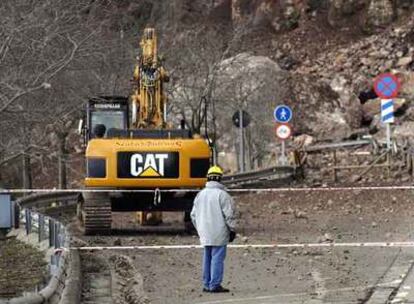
(317, 275)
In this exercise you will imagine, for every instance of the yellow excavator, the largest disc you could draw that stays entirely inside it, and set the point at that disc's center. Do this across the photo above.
(131, 147)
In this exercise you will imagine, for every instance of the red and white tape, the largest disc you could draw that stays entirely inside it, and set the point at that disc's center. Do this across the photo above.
(246, 246)
(291, 189)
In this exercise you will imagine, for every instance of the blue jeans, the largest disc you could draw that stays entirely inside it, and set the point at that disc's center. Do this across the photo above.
(213, 266)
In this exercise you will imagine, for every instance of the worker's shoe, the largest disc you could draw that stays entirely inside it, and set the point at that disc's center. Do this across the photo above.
(206, 289)
(219, 289)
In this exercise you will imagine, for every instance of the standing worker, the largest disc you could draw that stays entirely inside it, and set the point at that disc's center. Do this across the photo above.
(213, 217)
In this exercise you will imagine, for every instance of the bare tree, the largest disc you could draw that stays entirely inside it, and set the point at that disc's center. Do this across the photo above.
(196, 60)
(46, 72)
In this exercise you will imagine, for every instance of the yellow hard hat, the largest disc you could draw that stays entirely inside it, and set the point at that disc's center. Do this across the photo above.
(215, 170)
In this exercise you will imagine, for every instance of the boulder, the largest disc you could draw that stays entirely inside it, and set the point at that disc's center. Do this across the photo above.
(258, 84)
(348, 100)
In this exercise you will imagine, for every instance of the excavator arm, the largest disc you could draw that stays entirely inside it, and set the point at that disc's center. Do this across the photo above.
(148, 99)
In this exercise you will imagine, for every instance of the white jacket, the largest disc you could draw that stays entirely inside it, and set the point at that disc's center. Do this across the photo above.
(213, 214)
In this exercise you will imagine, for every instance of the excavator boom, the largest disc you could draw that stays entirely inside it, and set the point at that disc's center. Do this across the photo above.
(148, 99)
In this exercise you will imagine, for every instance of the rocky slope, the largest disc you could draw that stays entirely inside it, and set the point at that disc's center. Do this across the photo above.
(318, 56)
(329, 53)
(352, 70)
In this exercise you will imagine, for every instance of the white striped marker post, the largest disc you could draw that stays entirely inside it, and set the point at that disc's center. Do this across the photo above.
(387, 117)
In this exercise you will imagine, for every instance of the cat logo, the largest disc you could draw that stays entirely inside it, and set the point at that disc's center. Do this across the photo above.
(154, 164)
(149, 165)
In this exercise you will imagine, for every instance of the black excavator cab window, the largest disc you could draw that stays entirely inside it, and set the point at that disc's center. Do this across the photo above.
(106, 113)
(110, 119)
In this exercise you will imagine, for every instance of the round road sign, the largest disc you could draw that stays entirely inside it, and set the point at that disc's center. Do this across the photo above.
(236, 119)
(386, 86)
(282, 114)
(283, 131)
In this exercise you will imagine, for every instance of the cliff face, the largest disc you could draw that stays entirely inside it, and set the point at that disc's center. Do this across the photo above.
(274, 14)
(285, 14)
(328, 52)
(299, 27)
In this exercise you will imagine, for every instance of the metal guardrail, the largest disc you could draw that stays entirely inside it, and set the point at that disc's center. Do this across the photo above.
(55, 231)
(45, 227)
(39, 200)
(269, 174)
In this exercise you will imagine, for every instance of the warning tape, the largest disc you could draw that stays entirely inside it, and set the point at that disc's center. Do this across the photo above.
(246, 246)
(292, 189)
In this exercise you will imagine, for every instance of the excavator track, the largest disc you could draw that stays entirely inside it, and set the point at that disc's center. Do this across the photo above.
(96, 213)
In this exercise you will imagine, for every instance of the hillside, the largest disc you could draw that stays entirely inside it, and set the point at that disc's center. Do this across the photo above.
(318, 56)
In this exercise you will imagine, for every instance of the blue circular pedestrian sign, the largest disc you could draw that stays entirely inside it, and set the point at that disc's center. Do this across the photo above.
(282, 114)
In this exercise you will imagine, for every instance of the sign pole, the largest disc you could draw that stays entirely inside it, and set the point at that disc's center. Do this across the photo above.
(389, 136)
(283, 159)
(241, 141)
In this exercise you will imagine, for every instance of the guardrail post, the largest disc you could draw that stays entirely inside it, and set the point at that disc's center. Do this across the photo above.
(56, 236)
(41, 227)
(35, 218)
(28, 217)
(16, 216)
(61, 236)
(51, 233)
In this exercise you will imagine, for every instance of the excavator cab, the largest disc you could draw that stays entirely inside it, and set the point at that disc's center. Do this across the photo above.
(106, 113)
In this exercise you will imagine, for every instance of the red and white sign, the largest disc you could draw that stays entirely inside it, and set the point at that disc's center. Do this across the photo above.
(283, 131)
